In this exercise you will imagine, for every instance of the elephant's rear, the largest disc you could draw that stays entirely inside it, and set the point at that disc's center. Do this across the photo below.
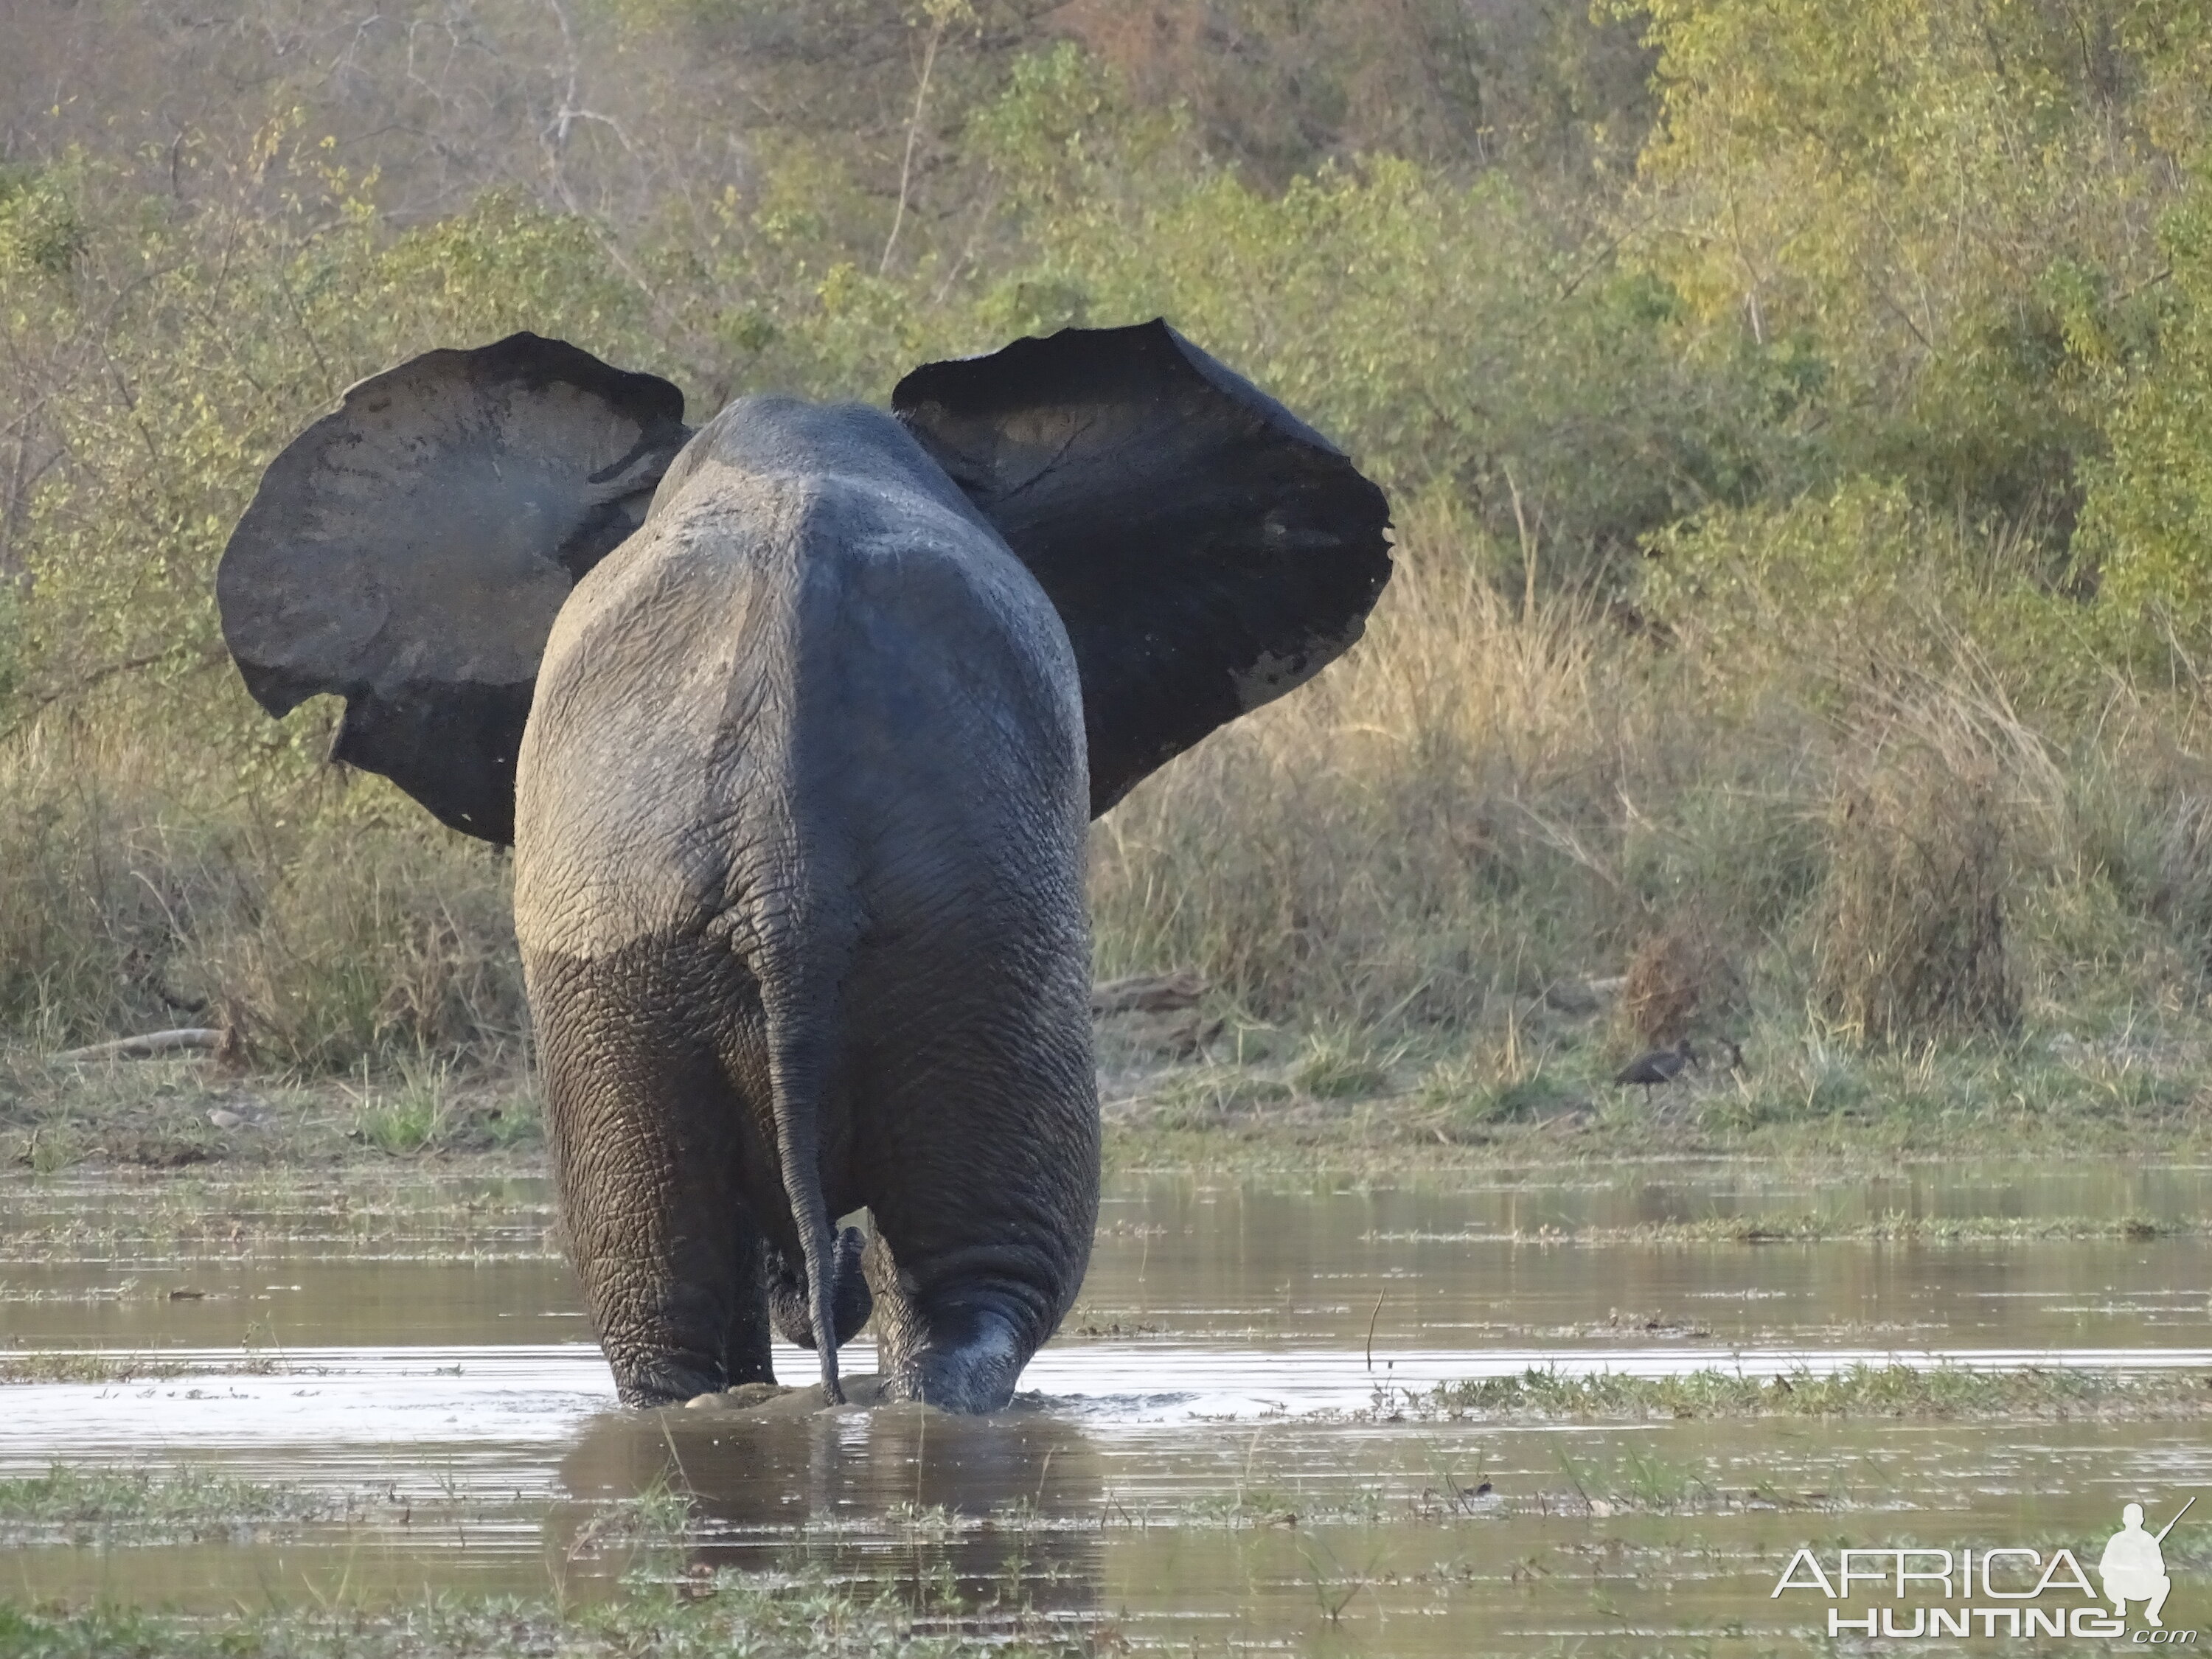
(801, 809)
(817, 661)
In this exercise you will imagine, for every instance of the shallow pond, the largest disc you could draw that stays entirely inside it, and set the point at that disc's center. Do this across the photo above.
(1219, 1452)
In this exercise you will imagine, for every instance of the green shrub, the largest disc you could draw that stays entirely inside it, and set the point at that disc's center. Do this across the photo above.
(2147, 525)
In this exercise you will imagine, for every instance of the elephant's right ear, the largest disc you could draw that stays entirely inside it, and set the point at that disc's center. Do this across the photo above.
(409, 550)
(1206, 549)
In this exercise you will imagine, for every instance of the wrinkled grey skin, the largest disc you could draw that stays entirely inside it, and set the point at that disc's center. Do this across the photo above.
(801, 809)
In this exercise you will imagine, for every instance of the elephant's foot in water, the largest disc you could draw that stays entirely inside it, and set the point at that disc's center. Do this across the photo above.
(974, 1371)
(670, 1378)
(679, 1375)
(958, 1340)
(863, 1393)
(972, 1376)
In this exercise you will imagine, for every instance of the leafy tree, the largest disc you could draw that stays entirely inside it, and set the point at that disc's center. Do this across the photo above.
(1950, 206)
(2149, 518)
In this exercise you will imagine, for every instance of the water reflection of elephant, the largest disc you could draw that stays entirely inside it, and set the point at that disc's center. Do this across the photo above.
(1008, 1506)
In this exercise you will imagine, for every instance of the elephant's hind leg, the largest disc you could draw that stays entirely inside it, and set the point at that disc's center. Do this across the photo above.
(646, 1140)
(983, 1156)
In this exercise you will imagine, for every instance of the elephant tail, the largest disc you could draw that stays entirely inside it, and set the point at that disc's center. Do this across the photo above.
(799, 1046)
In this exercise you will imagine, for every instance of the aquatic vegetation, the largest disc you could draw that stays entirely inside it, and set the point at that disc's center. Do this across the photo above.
(188, 1503)
(2029, 1392)
(1835, 1228)
(37, 1366)
(703, 1615)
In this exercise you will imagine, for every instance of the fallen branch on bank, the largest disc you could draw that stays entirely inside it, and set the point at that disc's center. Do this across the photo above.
(153, 1044)
(1147, 993)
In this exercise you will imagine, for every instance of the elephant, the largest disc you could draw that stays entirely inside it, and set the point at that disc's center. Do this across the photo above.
(795, 724)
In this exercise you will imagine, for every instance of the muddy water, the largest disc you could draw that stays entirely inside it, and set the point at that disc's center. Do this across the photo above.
(1194, 1463)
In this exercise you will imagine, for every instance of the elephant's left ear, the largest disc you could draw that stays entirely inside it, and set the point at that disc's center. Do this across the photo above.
(1206, 549)
(409, 550)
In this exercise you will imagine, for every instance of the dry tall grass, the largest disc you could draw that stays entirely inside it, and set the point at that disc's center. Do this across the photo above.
(1934, 788)
(142, 888)
(1492, 791)
(1364, 845)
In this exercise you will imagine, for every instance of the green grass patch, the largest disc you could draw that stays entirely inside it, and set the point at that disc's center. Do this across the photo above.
(186, 1503)
(1342, 1065)
(703, 1614)
(1861, 1391)
(361, 1212)
(403, 1126)
(1810, 1229)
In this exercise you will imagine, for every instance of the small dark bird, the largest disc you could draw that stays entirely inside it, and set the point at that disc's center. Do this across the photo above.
(1658, 1066)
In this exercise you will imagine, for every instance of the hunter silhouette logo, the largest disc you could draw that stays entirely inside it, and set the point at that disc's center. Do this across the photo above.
(2134, 1566)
